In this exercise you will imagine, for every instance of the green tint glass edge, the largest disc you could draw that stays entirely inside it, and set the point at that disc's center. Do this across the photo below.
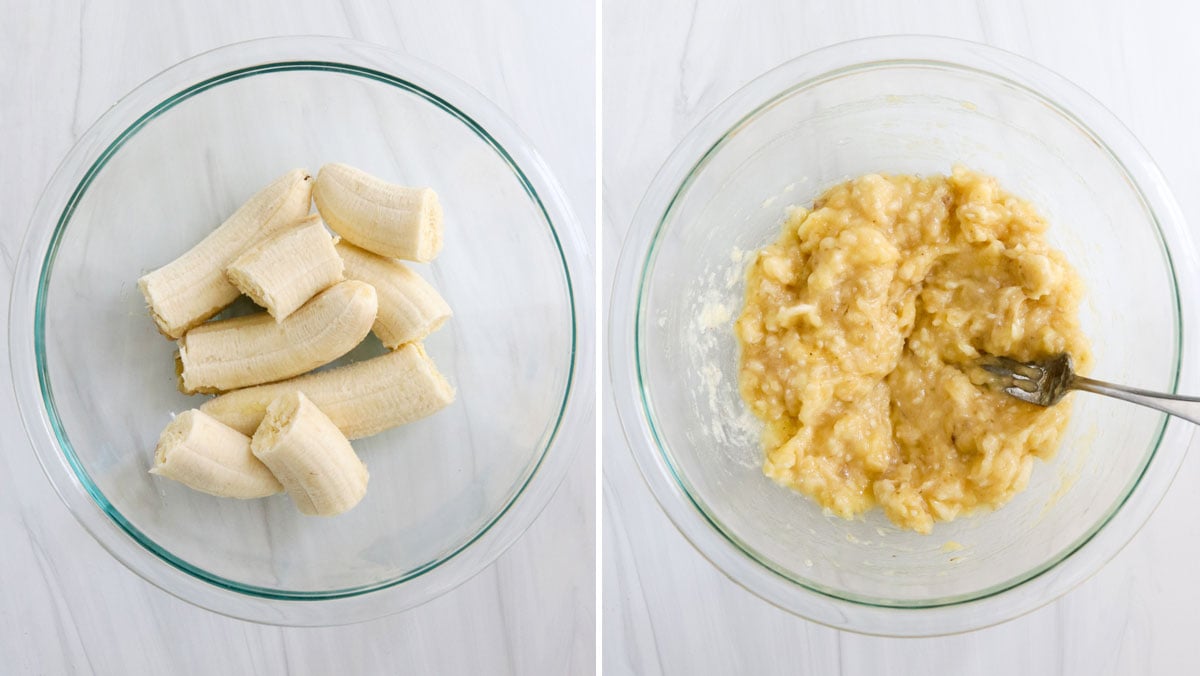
(48, 262)
(705, 513)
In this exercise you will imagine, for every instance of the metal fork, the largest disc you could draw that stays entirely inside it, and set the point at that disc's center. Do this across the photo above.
(1047, 381)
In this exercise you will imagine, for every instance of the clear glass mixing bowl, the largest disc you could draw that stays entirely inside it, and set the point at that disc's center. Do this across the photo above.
(96, 383)
(901, 105)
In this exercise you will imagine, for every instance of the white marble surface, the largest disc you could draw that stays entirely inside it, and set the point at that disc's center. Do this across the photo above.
(66, 606)
(665, 608)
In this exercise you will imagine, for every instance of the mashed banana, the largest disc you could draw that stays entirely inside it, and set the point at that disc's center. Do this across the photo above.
(859, 334)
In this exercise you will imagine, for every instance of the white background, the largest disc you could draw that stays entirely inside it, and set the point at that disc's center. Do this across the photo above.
(666, 609)
(65, 605)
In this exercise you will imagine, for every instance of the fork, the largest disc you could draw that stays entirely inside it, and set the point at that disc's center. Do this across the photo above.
(1047, 381)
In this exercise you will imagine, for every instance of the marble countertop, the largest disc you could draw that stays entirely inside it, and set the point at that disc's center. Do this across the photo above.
(666, 610)
(66, 606)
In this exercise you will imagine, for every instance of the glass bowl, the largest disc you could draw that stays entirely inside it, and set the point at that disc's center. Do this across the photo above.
(901, 105)
(95, 381)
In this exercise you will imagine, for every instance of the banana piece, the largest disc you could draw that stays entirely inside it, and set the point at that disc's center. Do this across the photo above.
(362, 398)
(384, 218)
(281, 273)
(193, 287)
(409, 308)
(245, 351)
(310, 456)
(203, 454)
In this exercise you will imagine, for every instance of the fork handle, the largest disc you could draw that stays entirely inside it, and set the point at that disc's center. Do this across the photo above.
(1187, 408)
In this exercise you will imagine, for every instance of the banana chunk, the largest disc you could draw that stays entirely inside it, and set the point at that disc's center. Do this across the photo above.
(362, 399)
(384, 218)
(409, 308)
(281, 273)
(210, 457)
(255, 349)
(310, 456)
(193, 287)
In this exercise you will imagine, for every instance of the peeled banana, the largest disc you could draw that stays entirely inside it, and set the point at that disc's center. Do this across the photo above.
(409, 308)
(362, 399)
(204, 454)
(310, 456)
(384, 218)
(281, 273)
(255, 349)
(193, 287)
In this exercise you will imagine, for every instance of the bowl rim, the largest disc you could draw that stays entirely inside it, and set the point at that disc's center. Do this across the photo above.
(1077, 562)
(91, 509)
